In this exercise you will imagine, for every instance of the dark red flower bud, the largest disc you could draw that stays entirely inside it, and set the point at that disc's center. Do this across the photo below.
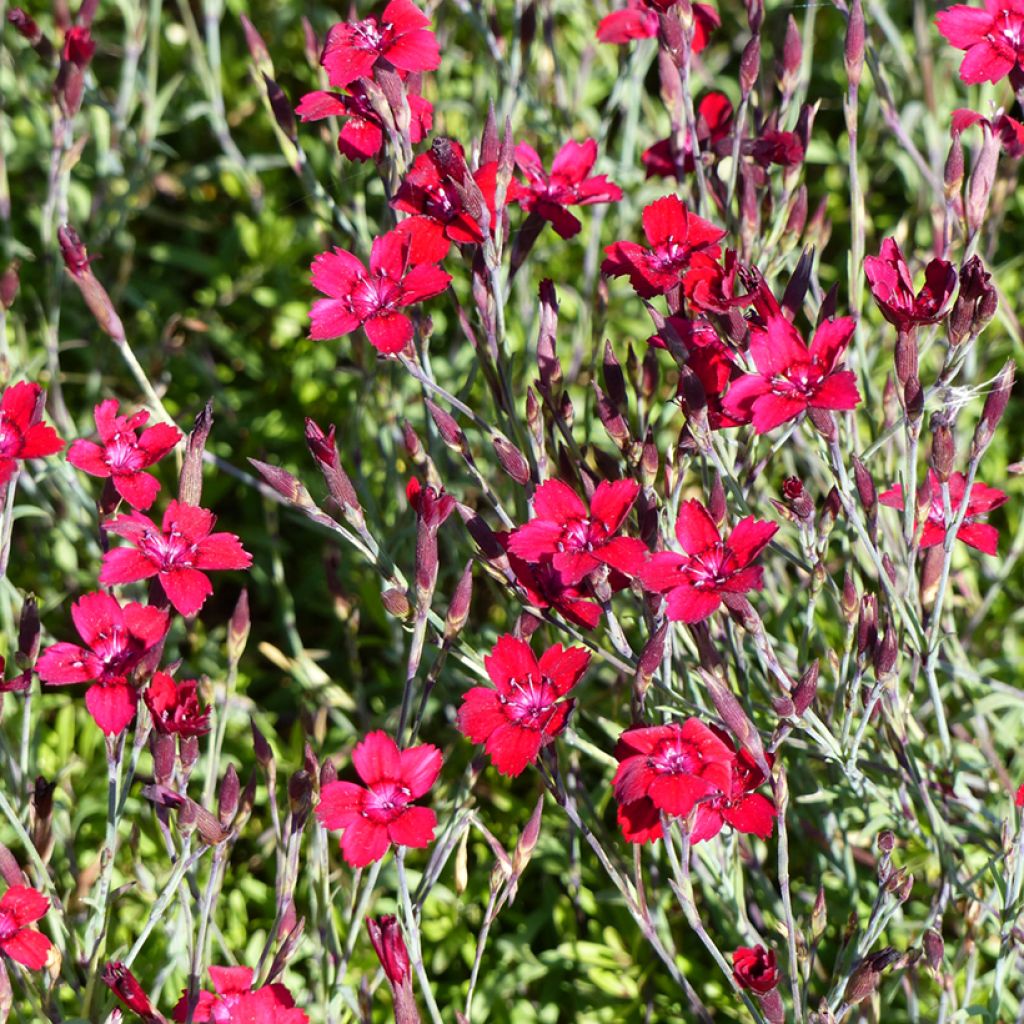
(458, 610)
(396, 603)
(797, 500)
(792, 56)
(120, 980)
(886, 654)
(77, 262)
(934, 948)
(995, 405)
(512, 461)
(943, 451)
(450, 431)
(806, 689)
(853, 55)
(227, 797)
(750, 65)
(388, 944)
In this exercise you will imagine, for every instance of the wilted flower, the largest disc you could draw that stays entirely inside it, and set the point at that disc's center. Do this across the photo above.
(893, 288)
(755, 968)
(176, 707)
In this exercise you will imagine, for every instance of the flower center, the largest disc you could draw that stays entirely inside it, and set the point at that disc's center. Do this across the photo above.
(582, 535)
(11, 438)
(366, 35)
(122, 453)
(530, 703)
(711, 568)
(172, 550)
(800, 381)
(385, 801)
(675, 757)
(8, 926)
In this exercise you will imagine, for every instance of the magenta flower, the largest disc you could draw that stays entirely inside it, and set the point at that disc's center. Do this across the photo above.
(576, 539)
(124, 454)
(116, 639)
(893, 288)
(402, 272)
(381, 811)
(792, 378)
(714, 124)
(711, 567)
(739, 806)
(176, 707)
(568, 184)
(22, 436)
(639, 20)
(527, 708)
(234, 1001)
(675, 235)
(993, 38)
(179, 553)
(983, 499)
(362, 135)
(1008, 130)
(402, 37)
(21, 906)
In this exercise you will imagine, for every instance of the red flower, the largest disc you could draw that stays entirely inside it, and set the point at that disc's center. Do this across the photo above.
(567, 185)
(791, 377)
(1009, 129)
(993, 38)
(388, 944)
(22, 436)
(235, 1001)
(893, 288)
(711, 566)
(175, 706)
(401, 37)
(575, 539)
(675, 235)
(123, 456)
(362, 135)
(402, 271)
(1018, 800)
(20, 907)
(179, 553)
(431, 505)
(714, 123)
(526, 710)
(710, 285)
(116, 640)
(380, 812)
(120, 980)
(667, 769)
(755, 969)
(639, 20)
(983, 499)
(775, 147)
(738, 805)
(79, 46)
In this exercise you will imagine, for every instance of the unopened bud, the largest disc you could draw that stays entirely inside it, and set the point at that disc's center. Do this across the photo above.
(9, 283)
(458, 610)
(238, 627)
(853, 56)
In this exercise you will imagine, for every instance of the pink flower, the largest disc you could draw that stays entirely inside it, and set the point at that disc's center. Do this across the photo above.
(362, 135)
(401, 37)
(526, 710)
(123, 456)
(116, 640)
(714, 123)
(755, 968)
(791, 377)
(381, 811)
(175, 706)
(893, 288)
(675, 236)
(22, 436)
(575, 539)
(402, 272)
(568, 184)
(179, 553)
(20, 907)
(711, 567)
(993, 38)
(1009, 130)
(983, 499)
(639, 20)
(236, 1002)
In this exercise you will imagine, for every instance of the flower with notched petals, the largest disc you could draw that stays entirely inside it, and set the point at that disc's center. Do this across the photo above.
(527, 708)
(234, 1001)
(176, 707)
(714, 124)
(21, 906)
(992, 38)
(1008, 129)
(431, 505)
(755, 968)
(639, 20)
(22, 436)
(893, 288)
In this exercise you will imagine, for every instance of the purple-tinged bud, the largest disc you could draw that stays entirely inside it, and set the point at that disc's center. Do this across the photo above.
(512, 461)
(953, 170)
(886, 841)
(257, 47)
(324, 450)
(995, 405)
(792, 57)
(975, 304)
(906, 358)
(886, 654)
(458, 610)
(614, 379)
(796, 499)
(611, 419)
(388, 944)
(853, 55)
(867, 975)
(819, 915)
(25, 25)
(934, 948)
(755, 15)
(825, 423)
(76, 260)
(396, 603)
(285, 484)
(649, 375)
(750, 65)
(10, 870)
(227, 796)
(238, 627)
(806, 689)
(528, 840)
(162, 745)
(796, 219)
(9, 283)
(867, 626)
(281, 108)
(652, 653)
(450, 431)
(312, 45)
(850, 602)
(649, 460)
(547, 360)
(943, 452)
(566, 412)
(983, 176)
(717, 505)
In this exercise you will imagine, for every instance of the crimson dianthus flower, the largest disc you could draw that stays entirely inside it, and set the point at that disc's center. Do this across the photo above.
(401, 36)
(1009, 130)
(22, 436)
(755, 968)
(234, 1001)
(403, 270)
(576, 539)
(527, 708)
(714, 123)
(710, 284)
(675, 236)
(993, 38)
(639, 20)
(775, 147)
(983, 499)
(711, 567)
(792, 378)
(116, 639)
(21, 906)
(568, 184)
(893, 287)
(362, 135)
(124, 454)
(381, 811)
(179, 553)
(176, 707)
(739, 806)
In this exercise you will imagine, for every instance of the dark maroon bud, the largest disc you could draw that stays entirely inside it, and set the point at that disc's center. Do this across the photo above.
(867, 626)
(328, 773)
(413, 444)
(797, 217)
(324, 449)
(866, 491)
(547, 360)
(25, 25)
(825, 423)
(10, 870)
(289, 487)
(512, 461)
(612, 420)
(28, 634)
(832, 504)
(650, 374)
(913, 399)
(77, 263)
(614, 379)
(566, 412)
(755, 15)
(934, 948)
(257, 47)
(190, 482)
(717, 504)
(188, 753)
(886, 654)
(162, 746)
(850, 601)
(652, 653)
(983, 176)
(889, 567)
(649, 461)
(281, 108)
(906, 358)
(953, 171)
(210, 830)
(853, 56)
(9, 282)
(796, 499)
(300, 798)
(886, 841)
(806, 690)
(458, 610)
(750, 65)
(227, 797)
(489, 141)
(995, 405)
(451, 433)
(943, 452)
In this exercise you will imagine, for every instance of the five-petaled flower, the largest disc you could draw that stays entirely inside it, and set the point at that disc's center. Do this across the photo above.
(893, 287)
(381, 811)
(401, 36)
(714, 123)
(711, 567)
(639, 20)
(234, 1001)
(179, 553)
(983, 499)
(568, 184)
(755, 968)
(124, 454)
(675, 236)
(993, 38)
(21, 906)
(792, 377)
(527, 708)
(116, 639)
(22, 436)
(176, 707)
(575, 539)
(402, 271)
